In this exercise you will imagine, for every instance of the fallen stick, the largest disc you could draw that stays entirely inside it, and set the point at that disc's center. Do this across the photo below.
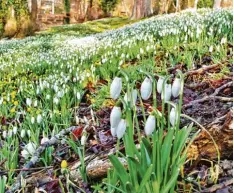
(212, 96)
(201, 70)
(218, 186)
(36, 156)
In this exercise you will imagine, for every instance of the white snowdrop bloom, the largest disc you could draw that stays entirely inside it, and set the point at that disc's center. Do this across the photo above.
(115, 88)
(150, 125)
(83, 139)
(35, 103)
(55, 100)
(223, 40)
(1, 100)
(146, 88)
(10, 132)
(166, 96)
(28, 101)
(176, 86)
(32, 120)
(4, 134)
(160, 84)
(47, 97)
(173, 116)
(115, 118)
(15, 130)
(28, 150)
(22, 133)
(44, 140)
(121, 128)
(39, 118)
(211, 49)
(78, 96)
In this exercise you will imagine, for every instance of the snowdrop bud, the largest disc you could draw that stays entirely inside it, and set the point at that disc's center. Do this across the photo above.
(77, 120)
(176, 86)
(29, 150)
(32, 120)
(115, 118)
(167, 93)
(121, 128)
(115, 88)
(15, 130)
(211, 49)
(146, 88)
(44, 140)
(83, 139)
(10, 133)
(4, 134)
(28, 101)
(160, 84)
(22, 133)
(150, 125)
(39, 119)
(35, 103)
(78, 96)
(173, 116)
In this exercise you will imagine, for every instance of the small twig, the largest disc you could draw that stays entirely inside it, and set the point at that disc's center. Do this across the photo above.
(212, 96)
(26, 169)
(201, 70)
(218, 186)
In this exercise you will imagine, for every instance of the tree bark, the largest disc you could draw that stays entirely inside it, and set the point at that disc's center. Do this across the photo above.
(217, 4)
(34, 11)
(141, 8)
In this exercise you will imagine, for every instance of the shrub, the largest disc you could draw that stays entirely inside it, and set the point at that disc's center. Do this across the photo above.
(10, 28)
(205, 3)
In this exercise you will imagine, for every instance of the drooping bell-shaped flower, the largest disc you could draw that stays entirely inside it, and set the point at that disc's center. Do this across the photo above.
(115, 88)
(160, 84)
(115, 116)
(173, 116)
(39, 118)
(28, 101)
(150, 125)
(176, 86)
(83, 139)
(29, 150)
(22, 133)
(166, 96)
(146, 88)
(121, 128)
(133, 99)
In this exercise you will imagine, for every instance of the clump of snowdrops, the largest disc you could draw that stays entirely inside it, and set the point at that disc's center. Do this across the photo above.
(154, 164)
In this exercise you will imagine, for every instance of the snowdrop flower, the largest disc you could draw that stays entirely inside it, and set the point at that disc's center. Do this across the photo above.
(223, 40)
(211, 49)
(176, 86)
(134, 97)
(1, 100)
(29, 150)
(28, 101)
(56, 100)
(160, 84)
(150, 125)
(77, 120)
(121, 128)
(39, 118)
(115, 118)
(115, 88)
(146, 88)
(32, 120)
(10, 133)
(173, 116)
(44, 140)
(22, 133)
(47, 96)
(4, 134)
(83, 139)
(167, 93)
(78, 96)
(35, 103)
(15, 130)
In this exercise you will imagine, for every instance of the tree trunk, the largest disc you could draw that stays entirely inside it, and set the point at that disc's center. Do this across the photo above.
(217, 4)
(195, 4)
(141, 8)
(178, 5)
(34, 11)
